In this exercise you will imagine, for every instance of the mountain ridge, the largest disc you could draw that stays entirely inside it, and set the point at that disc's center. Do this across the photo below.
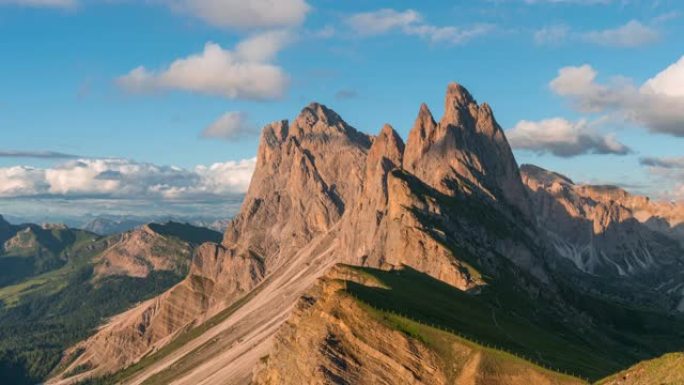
(449, 204)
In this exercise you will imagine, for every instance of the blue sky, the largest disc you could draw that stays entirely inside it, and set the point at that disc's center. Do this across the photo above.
(69, 85)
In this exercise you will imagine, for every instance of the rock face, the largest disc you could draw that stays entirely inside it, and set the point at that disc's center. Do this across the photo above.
(466, 151)
(138, 252)
(216, 278)
(603, 229)
(606, 232)
(450, 204)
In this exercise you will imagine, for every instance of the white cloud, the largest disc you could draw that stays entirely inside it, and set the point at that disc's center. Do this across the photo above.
(41, 3)
(411, 23)
(551, 35)
(382, 21)
(563, 138)
(658, 104)
(126, 179)
(244, 73)
(244, 14)
(230, 126)
(669, 82)
(632, 34)
(20, 180)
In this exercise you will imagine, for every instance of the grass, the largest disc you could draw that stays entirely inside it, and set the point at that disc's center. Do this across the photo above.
(665, 370)
(443, 344)
(496, 317)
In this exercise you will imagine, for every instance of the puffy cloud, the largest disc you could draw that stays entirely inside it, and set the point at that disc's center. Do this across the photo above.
(126, 179)
(563, 138)
(244, 14)
(245, 73)
(231, 125)
(632, 34)
(658, 104)
(21, 181)
(411, 23)
(41, 3)
(36, 154)
(669, 82)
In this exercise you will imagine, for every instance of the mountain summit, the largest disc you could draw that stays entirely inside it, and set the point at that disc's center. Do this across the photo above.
(341, 229)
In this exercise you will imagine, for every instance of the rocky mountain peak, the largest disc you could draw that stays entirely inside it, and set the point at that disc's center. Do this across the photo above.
(316, 122)
(459, 105)
(467, 152)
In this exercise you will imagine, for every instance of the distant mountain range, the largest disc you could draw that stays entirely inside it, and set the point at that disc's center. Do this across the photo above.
(360, 259)
(57, 284)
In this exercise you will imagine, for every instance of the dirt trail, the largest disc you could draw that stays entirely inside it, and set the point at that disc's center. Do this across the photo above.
(470, 370)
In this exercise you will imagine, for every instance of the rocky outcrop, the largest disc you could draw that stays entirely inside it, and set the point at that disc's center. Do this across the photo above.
(138, 252)
(466, 152)
(307, 173)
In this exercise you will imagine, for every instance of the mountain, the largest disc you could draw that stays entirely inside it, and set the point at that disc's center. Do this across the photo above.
(98, 277)
(633, 245)
(27, 250)
(113, 224)
(360, 259)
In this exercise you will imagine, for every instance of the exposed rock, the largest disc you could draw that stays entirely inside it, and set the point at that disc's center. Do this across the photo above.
(466, 152)
(138, 252)
(217, 278)
(630, 241)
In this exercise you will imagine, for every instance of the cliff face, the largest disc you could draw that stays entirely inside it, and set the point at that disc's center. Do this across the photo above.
(606, 232)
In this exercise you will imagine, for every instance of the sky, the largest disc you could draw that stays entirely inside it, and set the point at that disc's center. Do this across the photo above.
(154, 107)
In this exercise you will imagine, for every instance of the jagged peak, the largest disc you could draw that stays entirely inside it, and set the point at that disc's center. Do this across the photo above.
(459, 105)
(317, 120)
(387, 144)
(543, 176)
(458, 95)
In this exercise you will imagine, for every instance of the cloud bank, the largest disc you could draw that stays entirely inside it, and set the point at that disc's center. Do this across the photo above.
(127, 179)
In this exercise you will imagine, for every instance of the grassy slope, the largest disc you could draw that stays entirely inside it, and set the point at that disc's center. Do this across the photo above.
(665, 370)
(497, 317)
(495, 363)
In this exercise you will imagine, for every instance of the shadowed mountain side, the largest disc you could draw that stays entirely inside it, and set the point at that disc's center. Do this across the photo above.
(601, 233)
